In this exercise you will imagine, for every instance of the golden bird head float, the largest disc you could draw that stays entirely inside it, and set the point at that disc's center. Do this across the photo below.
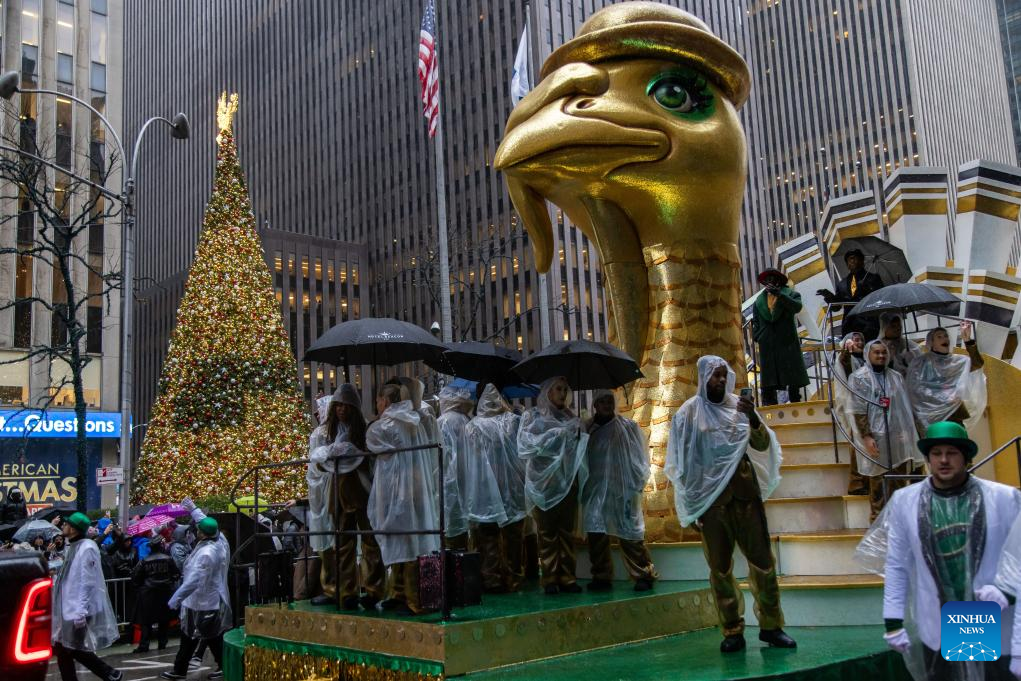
(633, 132)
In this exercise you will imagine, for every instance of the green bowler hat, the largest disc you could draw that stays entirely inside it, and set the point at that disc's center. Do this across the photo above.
(209, 527)
(948, 433)
(79, 521)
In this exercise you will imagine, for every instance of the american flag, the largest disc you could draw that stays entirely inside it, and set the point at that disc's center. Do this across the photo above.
(428, 68)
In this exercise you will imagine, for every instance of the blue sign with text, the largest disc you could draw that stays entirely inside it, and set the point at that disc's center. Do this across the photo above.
(970, 631)
(37, 423)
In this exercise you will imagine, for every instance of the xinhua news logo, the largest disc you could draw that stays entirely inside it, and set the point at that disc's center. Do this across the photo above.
(970, 631)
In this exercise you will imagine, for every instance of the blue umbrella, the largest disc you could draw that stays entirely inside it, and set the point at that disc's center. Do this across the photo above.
(511, 392)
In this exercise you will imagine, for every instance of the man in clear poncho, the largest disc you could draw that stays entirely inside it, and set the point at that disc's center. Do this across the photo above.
(902, 350)
(83, 620)
(937, 541)
(552, 444)
(846, 361)
(202, 596)
(334, 447)
(611, 498)
(945, 386)
(724, 463)
(1008, 581)
(404, 496)
(883, 427)
(455, 411)
(495, 489)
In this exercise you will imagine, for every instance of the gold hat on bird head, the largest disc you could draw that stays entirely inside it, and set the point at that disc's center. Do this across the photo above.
(654, 30)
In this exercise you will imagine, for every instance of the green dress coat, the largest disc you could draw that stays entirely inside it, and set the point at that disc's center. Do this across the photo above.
(780, 361)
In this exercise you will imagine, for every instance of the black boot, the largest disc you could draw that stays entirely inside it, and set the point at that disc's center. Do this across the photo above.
(323, 599)
(600, 585)
(571, 588)
(777, 638)
(643, 584)
(732, 644)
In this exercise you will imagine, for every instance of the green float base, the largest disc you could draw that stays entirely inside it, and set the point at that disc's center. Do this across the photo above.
(620, 635)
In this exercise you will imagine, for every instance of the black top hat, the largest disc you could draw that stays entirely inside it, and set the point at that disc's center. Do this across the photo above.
(854, 251)
(771, 270)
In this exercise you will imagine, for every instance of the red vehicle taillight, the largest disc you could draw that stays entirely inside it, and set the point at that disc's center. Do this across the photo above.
(32, 638)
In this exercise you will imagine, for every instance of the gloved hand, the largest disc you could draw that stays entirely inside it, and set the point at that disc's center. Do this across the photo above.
(188, 504)
(1015, 666)
(989, 592)
(898, 640)
(79, 623)
(173, 604)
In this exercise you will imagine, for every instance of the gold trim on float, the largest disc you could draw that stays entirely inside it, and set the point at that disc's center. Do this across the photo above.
(807, 255)
(978, 296)
(476, 645)
(987, 205)
(940, 276)
(801, 274)
(918, 207)
(995, 189)
(990, 280)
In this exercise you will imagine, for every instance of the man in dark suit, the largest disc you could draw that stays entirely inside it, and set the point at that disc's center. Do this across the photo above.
(856, 285)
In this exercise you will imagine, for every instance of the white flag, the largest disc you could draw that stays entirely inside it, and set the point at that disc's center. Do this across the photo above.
(520, 84)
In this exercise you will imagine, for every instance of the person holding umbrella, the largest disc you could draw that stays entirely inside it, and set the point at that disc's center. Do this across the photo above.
(403, 495)
(945, 386)
(775, 329)
(856, 285)
(495, 486)
(83, 619)
(455, 411)
(618, 468)
(724, 462)
(333, 449)
(552, 443)
(883, 425)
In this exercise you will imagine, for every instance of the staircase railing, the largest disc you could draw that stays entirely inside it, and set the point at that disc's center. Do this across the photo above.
(337, 533)
(1015, 442)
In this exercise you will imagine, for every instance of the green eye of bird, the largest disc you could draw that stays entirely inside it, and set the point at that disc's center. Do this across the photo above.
(683, 92)
(671, 94)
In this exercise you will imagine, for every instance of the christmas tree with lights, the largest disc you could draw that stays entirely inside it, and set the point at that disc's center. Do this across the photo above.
(228, 397)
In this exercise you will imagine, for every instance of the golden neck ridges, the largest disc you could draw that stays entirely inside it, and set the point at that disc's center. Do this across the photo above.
(694, 309)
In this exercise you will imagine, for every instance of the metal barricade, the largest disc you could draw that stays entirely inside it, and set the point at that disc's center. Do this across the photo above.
(121, 593)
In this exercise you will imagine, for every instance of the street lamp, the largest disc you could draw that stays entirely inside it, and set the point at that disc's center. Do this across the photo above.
(180, 128)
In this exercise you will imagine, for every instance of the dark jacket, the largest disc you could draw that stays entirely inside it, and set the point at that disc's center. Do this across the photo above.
(780, 361)
(157, 571)
(13, 511)
(867, 282)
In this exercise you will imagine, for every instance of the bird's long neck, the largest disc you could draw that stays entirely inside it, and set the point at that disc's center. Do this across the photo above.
(694, 294)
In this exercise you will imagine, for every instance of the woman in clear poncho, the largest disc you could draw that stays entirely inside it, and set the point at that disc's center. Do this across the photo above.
(404, 493)
(334, 447)
(846, 361)
(495, 490)
(886, 435)
(455, 410)
(945, 386)
(611, 498)
(83, 620)
(552, 444)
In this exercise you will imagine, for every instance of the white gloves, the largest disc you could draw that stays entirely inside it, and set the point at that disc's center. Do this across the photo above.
(188, 504)
(992, 594)
(898, 640)
(1015, 666)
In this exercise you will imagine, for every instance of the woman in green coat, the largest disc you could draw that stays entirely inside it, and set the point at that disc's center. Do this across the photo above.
(775, 329)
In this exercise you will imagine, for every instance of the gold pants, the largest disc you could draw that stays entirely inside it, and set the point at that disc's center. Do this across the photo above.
(404, 584)
(741, 522)
(858, 483)
(503, 557)
(875, 486)
(636, 558)
(373, 572)
(555, 529)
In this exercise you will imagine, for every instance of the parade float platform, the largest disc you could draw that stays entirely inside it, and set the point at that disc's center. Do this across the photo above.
(668, 633)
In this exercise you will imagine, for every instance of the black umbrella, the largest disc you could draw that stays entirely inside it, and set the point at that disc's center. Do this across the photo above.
(881, 257)
(478, 361)
(139, 510)
(7, 530)
(51, 512)
(587, 365)
(908, 297)
(374, 340)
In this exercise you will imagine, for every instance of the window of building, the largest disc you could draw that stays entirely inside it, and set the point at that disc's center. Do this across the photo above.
(99, 32)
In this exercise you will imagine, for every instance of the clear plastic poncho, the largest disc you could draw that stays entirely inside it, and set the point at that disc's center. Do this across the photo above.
(900, 446)
(939, 384)
(495, 476)
(203, 595)
(404, 495)
(455, 407)
(841, 395)
(706, 443)
(1008, 579)
(618, 468)
(552, 443)
(325, 458)
(79, 593)
(899, 546)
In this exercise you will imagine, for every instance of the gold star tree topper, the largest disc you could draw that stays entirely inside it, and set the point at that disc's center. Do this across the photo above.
(226, 107)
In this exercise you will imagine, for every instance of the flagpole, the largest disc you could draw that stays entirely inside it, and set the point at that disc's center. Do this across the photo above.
(441, 220)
